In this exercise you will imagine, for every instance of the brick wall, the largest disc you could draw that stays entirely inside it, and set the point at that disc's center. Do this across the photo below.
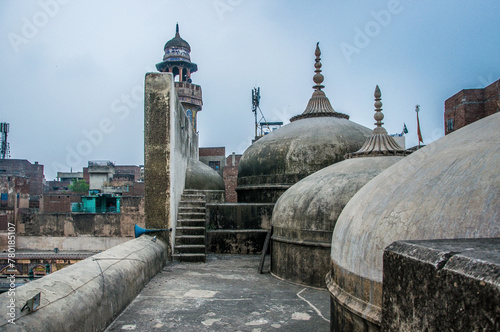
(128, 169)
(230, 177)
(492, 98)
(210, 152)
(470, 105)
(86, 176)
(59, 203)
(23, 168)
(136, 189)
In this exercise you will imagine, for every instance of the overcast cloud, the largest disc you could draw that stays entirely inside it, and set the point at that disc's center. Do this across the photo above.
(72, 72)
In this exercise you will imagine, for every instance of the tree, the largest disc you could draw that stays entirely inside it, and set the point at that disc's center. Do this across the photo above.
(79, 186)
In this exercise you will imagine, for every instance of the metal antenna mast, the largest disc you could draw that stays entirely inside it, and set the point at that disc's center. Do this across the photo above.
(4, 148)
(255, 105)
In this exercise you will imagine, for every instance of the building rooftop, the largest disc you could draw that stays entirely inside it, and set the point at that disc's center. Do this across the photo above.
(225, 294)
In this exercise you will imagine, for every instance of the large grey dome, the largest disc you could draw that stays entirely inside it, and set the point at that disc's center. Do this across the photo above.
(317, 138)
(449, 189)
(305, 216)
(202, 177)
(277, 161)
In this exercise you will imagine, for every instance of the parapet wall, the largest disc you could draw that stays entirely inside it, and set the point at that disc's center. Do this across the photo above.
(442, 285)
(238, 228)
(77, 231)
(88, 295)
(169, 142)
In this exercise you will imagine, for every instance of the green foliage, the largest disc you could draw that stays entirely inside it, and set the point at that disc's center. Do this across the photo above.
(79, 186)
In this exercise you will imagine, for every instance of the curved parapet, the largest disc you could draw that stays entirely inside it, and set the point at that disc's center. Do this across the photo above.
(88, 295)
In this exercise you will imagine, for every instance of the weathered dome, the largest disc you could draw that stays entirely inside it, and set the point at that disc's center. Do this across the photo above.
(305, 215)
(317, 138)
(177, 48)
(448, 189)
(277, 161)
(202, 177)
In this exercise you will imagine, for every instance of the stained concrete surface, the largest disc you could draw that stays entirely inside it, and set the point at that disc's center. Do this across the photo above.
(224, 294)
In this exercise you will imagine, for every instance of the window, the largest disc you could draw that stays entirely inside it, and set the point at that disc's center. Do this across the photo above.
(214, 164)
(449, 124)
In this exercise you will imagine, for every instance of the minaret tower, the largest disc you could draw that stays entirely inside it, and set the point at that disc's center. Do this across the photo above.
(178, 62)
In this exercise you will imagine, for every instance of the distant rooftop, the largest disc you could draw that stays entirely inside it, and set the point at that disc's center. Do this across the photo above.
(101, 163)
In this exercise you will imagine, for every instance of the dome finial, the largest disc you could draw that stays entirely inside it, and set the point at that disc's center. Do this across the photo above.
(318, 77)
(378, 116)
(177, 35)
(379, 143)
(318, 105)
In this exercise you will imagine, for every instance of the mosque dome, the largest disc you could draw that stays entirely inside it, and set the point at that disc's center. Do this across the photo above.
(448, 189)
(177, 41)
(202, 177)
(305, 215)
(317, 138)
(177, 48)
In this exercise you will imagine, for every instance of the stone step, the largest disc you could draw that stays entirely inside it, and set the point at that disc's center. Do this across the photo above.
(189, 223)
(192, 209)
(190, 230)
(192, 204)
(189, 245)
(192, 222)
(194, 258)
(189, 239)
(189, 249)
(193, 191)
(190, 215)
(193, 198)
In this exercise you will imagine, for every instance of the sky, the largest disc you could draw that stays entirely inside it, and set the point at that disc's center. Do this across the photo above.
(72, 71)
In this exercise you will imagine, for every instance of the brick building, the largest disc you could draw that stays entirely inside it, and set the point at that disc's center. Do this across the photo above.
(59, 202)
(470, 105)
(106, 177)
(131, 173)
(230, 177)
(23, 168)
(32, 172)
(215, 157)
(14, 192)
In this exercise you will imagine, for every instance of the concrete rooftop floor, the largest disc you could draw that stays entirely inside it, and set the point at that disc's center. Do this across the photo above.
(224, 294)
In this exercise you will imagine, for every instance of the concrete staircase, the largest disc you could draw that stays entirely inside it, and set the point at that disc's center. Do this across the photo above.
(190, 235)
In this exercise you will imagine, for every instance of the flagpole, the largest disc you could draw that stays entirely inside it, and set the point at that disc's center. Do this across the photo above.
(419, 134)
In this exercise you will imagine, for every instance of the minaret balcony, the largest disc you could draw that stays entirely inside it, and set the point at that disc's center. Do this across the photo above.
(189, 93)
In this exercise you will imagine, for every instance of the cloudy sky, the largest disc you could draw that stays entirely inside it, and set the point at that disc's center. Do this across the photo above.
(72, 71)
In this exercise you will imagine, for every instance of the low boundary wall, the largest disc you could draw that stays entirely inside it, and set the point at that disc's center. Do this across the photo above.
(88, 295)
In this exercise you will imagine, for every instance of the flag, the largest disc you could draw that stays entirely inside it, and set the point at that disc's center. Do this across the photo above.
(419, 134)
(405, 130)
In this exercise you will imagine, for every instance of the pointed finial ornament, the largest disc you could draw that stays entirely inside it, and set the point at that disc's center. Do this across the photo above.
(177, 35)
(318, 78)
(378, 116)
(379, 143)
(318, 105)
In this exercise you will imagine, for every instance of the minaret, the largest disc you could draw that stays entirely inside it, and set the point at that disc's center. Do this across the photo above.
(178, 62)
